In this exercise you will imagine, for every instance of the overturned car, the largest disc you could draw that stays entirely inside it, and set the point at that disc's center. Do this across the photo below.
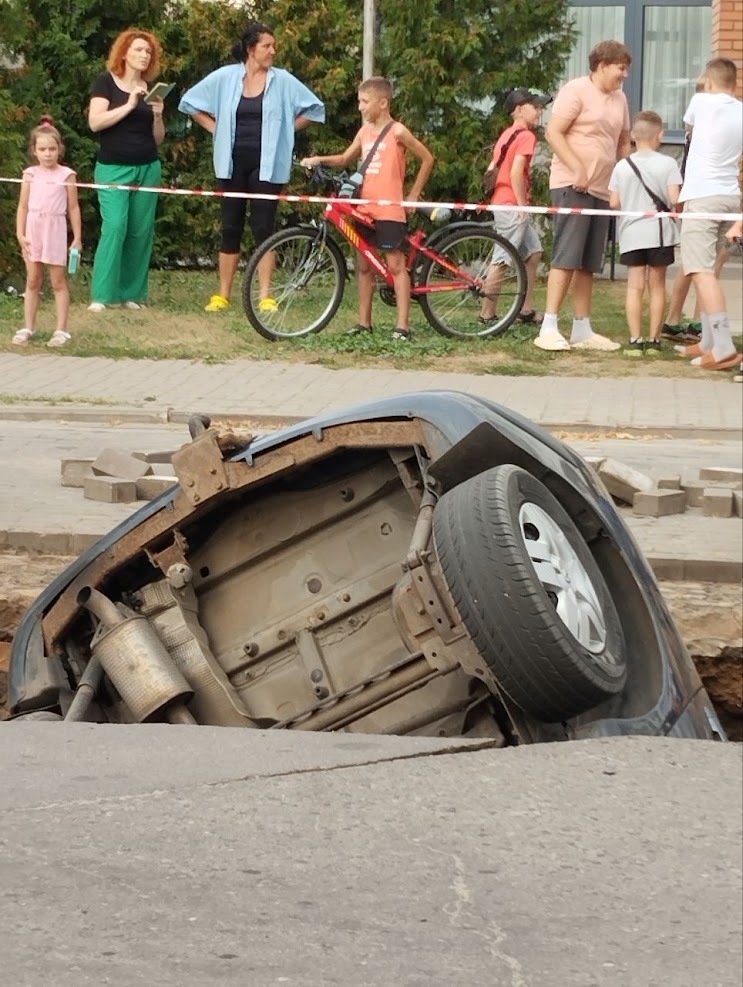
(430, 564)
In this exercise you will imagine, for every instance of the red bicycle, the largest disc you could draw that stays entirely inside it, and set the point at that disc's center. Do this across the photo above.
(470, 282)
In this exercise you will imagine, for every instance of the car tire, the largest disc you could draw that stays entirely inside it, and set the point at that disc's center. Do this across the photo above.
(530, 593)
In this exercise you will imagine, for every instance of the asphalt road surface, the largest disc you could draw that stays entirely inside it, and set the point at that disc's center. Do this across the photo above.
(161, 855)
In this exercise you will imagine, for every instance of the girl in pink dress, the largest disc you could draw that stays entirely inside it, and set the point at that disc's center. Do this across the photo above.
(48, 197)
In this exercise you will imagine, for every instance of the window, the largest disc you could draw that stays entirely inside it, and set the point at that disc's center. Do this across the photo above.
(670, 45)
(676, 44)
(593, 24)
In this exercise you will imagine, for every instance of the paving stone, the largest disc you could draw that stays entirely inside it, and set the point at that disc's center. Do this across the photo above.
(694, 490)
(74, 471)
(162, 469)
(659, 503)
(717, 502)
(149, 487)
(622, 481)
(721, 474)
(668, 483)
(110, 489)
(114, 462)
(164, 456)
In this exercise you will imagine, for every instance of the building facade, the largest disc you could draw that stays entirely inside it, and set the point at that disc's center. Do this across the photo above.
(727, 34)
(670, 41)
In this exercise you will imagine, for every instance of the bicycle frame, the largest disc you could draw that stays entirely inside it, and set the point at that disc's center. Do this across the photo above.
(339, 214)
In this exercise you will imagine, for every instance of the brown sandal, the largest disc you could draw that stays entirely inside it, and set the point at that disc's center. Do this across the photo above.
(708, 362)
(532, 318)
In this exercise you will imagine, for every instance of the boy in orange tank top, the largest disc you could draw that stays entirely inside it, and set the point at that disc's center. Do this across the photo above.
(384, 179)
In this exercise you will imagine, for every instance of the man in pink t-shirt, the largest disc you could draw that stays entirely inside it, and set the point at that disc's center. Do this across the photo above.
(589, 131)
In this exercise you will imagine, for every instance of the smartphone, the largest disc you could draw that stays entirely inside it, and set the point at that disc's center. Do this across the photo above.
(159, 91)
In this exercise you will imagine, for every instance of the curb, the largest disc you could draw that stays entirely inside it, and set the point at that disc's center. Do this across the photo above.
(110, 415)
(120, 415)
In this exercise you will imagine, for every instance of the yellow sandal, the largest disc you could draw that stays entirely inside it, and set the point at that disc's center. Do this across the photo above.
(217, 303)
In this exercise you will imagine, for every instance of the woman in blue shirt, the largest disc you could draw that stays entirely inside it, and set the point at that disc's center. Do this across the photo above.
(253, 111)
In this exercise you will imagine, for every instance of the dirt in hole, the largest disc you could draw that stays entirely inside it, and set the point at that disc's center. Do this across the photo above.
(709, 616)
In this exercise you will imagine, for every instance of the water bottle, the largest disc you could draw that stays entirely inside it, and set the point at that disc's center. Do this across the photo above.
(74, 261)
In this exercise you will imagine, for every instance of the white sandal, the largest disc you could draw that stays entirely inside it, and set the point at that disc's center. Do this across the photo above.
(60, 338)
(22, 337)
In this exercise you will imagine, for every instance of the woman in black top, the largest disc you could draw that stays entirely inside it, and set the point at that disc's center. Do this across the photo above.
(129, 131)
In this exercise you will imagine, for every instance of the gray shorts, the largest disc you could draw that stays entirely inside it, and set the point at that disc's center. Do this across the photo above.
(523, 235)
(580, 241)
(702, 239)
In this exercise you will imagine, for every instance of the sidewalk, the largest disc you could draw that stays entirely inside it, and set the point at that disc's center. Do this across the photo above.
(170, 390)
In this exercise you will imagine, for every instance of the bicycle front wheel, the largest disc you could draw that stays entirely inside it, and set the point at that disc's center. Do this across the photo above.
(474, 286)
(307, 275)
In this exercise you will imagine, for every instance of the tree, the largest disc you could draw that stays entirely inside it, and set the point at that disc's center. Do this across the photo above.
(449, 61)
(449, 89)
(51, 56)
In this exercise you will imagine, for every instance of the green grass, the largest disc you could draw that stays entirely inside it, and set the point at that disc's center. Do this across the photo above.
(175, 326)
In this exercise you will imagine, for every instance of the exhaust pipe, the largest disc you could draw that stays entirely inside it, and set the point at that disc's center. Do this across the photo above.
(135, 660)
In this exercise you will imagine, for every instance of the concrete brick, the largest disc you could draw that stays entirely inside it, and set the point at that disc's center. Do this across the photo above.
(720, 474)
(155, 457)
(668, 483)
(114, 462)
(110, 490)
(74, 471)
(162, 469)
(694, 490)
(149, 487)
(717, 502)
(622, 481)
(738, 502)
(659, 503)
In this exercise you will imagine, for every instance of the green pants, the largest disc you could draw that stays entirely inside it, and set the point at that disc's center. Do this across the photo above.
(122, 260)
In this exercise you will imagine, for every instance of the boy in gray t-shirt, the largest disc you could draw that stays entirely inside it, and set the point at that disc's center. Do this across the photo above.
(645, 242)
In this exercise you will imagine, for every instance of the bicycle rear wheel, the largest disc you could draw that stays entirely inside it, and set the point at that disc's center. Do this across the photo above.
(307, 283)
(486, 267)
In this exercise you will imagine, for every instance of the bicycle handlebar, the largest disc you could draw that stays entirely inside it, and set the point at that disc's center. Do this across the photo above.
(322, 175)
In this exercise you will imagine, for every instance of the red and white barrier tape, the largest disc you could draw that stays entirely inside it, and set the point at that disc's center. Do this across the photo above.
(465, 206)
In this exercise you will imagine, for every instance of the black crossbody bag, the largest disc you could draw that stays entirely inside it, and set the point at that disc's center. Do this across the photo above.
(491, 175)
(659, 203)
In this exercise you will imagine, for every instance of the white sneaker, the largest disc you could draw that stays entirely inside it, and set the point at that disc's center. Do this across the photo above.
(96, 307)
(133, 306)
(597, 342)
(552, 340)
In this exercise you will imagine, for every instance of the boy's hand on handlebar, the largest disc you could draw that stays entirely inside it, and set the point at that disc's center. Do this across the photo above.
(309, 163)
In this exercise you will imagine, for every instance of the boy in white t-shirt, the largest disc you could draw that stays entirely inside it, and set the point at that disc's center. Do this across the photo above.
(715, 118)
(645, 181)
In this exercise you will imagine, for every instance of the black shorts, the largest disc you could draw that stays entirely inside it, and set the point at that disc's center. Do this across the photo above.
(386, 234)
(648, 257)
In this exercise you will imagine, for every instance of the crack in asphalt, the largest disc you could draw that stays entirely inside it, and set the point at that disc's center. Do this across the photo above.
(470, 748)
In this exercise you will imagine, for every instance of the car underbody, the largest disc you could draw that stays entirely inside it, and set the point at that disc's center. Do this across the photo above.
(365, 575)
